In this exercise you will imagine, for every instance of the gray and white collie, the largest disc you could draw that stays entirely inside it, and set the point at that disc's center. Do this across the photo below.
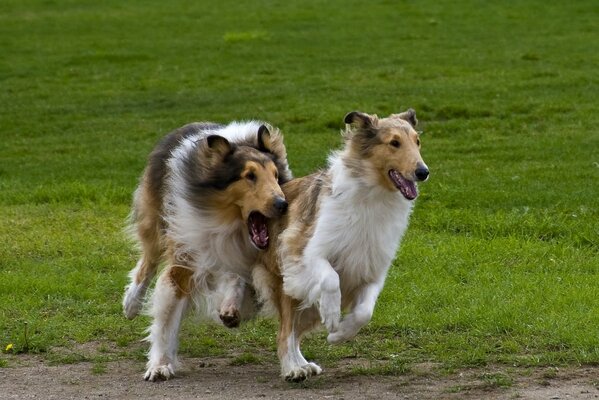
(340, 234)
(202, 207)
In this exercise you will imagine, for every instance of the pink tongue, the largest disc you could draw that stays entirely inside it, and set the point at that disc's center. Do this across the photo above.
(258, 230)
(259, 236)
(406, 187)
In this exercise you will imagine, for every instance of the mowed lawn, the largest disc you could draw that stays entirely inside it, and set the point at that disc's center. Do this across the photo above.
(501, 260)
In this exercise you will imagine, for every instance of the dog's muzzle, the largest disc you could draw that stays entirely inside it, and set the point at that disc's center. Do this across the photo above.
(421, 172)
(280, 205)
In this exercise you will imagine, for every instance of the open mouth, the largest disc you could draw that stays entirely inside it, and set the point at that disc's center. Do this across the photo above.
(258, 230)
(405, 186)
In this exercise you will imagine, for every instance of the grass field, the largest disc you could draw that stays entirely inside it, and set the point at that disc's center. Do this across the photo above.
(501, 261)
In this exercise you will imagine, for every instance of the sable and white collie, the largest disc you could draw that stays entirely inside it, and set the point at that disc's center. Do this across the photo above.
(340, 235)
(202, 206)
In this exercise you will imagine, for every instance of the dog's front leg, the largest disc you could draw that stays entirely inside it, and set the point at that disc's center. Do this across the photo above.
(328, 291)
(312, 280)
(169, 303)
(360, 314)
(329, 304)
(233, 290)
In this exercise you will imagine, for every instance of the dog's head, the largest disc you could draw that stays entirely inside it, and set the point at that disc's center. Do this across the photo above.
(245, 181)
(386, 151)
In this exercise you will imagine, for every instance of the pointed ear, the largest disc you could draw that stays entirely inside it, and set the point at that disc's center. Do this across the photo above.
(264, 139)
(270, 141)
(359, 119)
(218, 145)
(410, 116)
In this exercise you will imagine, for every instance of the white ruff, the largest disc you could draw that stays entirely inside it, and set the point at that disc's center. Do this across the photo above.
(213, 246)
(359, 226)
(358, 229)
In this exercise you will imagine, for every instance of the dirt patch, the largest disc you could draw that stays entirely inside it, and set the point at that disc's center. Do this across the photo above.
(216, 378)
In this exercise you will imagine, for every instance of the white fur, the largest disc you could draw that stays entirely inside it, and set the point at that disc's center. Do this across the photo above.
(234, 132)
(134, 293)
(358, 229)
(199, 234)
(239, 131)
(218, 254)
(167, 311)
(294, 366)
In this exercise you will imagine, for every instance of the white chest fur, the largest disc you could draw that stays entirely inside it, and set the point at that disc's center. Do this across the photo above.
(359, 228)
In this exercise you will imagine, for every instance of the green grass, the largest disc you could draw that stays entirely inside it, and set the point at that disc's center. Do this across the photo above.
(501, 261)
(397, 366)
(98, 368)
(246, 358)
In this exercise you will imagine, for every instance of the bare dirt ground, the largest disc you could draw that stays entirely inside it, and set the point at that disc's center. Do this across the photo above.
(215, 378)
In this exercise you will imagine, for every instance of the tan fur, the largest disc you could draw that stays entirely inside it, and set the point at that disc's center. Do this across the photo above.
(303, 197)
(243, 196)
(368, 155)
(180, 277)
(149, 226)
(265, 158)
(384, 156)
(234, 203)
(379, 151)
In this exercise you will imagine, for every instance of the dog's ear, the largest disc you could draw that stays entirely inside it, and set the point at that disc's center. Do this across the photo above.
(270, 141)
(359, 119)
(264, 139)
(409, 115)
(218, 145)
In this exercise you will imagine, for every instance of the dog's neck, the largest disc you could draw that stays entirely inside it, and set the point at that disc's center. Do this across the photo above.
(355, 180)
(358, 214)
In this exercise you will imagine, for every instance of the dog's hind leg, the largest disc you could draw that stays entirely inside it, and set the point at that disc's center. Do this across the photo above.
(147, 226)
(233, 288)
(293, 323)
(169, 303)
(140, 278)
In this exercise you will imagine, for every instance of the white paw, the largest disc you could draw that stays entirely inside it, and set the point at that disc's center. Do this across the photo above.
(160, 372)
(314, 369)
(133, 301)
(340, 336)
(299, 374)
(330, 310)
(346, 330)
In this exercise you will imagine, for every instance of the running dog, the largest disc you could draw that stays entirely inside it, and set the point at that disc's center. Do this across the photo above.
(340, 235)
(202, 206)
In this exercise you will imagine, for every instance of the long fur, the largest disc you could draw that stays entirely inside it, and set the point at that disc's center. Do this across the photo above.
(342, 231)
(192, 210)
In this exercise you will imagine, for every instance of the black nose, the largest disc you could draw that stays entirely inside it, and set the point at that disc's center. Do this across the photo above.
(421, 173)
(281, 205)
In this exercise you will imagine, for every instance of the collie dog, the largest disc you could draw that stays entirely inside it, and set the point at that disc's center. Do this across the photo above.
(340, 235)
(202, 206)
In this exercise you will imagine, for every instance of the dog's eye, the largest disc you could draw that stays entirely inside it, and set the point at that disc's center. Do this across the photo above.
(250, 176)
(277, 175)
(418, 142)
(394, 143)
